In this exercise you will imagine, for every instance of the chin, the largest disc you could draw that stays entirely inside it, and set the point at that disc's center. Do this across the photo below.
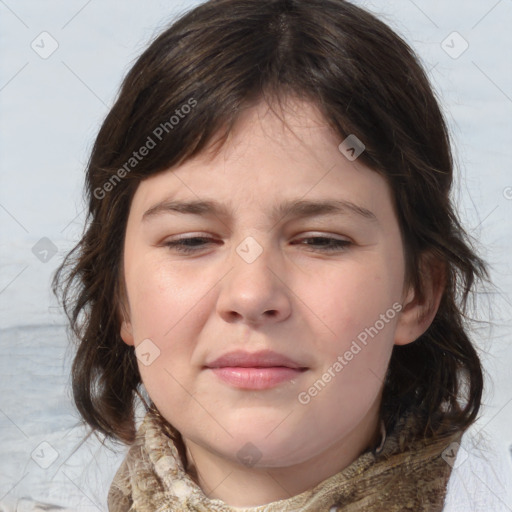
(268, 443)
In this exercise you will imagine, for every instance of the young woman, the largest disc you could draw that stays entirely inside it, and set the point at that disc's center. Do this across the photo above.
(271, 252)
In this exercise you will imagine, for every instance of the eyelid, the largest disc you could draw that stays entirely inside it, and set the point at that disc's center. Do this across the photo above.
(334, 246)
(314, 234)
(305, 234)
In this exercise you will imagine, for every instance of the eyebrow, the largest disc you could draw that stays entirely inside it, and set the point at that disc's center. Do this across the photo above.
(295, 209)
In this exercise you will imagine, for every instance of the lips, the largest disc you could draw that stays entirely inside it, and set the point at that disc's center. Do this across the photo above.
(257, 370)
(262, 359)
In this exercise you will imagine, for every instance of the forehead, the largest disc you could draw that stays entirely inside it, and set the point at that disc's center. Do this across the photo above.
(276, 160)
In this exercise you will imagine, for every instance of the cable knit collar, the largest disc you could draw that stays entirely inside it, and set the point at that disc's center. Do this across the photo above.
(398, 475)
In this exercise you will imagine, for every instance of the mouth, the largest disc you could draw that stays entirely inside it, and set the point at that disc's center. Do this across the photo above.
(259, 370)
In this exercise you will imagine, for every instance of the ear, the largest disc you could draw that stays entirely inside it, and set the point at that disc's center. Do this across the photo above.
(126, 326)
(419, 310)
(123, 312)
(127, 332)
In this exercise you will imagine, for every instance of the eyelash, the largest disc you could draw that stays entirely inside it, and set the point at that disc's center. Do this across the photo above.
(335, 244)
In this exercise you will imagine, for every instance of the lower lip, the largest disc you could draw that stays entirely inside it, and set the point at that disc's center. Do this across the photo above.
(256, 378)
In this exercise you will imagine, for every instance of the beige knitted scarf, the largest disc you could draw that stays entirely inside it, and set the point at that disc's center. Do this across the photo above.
(400, 475)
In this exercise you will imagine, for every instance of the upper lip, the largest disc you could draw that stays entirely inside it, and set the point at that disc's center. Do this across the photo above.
(261, 359)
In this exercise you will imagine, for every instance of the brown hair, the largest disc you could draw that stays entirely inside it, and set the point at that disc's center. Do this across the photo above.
(218, 58)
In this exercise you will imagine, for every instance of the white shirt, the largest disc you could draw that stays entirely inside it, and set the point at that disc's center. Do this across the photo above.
(481, 478)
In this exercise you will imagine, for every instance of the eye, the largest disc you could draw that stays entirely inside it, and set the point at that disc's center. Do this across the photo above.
(320, 244)
(188, 245)
(327, 244)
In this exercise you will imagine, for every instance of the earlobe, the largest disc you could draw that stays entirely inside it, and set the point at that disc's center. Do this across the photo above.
(420, 309)
(408, 326)
(127, 333)
(123, 316)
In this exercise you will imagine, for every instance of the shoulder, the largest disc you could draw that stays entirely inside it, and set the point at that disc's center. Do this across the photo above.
(481, 478)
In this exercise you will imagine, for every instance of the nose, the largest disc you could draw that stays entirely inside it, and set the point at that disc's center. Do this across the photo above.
(255, 292)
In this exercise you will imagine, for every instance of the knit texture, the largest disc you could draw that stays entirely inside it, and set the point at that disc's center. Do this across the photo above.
(402, 475)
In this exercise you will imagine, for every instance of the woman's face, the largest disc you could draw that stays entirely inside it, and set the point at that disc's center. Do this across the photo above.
(264, 316)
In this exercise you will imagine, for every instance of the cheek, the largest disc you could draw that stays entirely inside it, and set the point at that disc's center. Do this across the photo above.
(355, 337)
(349, 303)
(165, 310)
(355, 352)
(162, 300)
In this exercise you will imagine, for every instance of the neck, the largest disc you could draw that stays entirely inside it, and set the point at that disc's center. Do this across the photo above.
(241, 486)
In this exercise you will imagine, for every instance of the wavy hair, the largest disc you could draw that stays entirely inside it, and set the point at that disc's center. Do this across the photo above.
(365, 79)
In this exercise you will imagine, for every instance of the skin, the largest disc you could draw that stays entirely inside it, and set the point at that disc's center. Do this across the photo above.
(294, 298)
